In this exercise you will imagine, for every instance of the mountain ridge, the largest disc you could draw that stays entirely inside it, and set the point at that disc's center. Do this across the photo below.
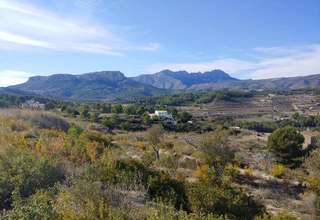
(111, 85)
(89, 86)
(177, 80)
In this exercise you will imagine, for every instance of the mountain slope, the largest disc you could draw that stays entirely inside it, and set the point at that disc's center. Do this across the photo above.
(168, 79)
(90, 86)
(285, 83)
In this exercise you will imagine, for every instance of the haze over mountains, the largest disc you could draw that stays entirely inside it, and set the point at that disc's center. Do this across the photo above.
(108, 85)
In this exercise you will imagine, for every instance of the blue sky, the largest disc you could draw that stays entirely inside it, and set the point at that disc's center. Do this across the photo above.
(246, 38)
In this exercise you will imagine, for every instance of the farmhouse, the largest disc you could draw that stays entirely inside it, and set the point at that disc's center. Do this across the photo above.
(32, 104)
(161, 115)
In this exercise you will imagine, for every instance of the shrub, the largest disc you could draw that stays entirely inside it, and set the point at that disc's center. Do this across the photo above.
(314, 184)
(259, 126)
(105, 140)
(201, 172)
(85, 200)
(219, 154)
(279, 216)
(248, 171)
(222, 200)
(286, 145)
(169, 191)
(162, 211)
(36, 207)
(51, 121)
(312, 163)
(168, 161)
(277, 170)
(23, 173)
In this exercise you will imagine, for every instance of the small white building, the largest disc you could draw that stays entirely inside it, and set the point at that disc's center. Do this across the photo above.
(161, 114)
(32, 104)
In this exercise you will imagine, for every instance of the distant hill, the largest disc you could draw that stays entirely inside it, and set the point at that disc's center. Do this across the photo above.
(111, 85)
(168, 79)
(91, 86)
(285, 83)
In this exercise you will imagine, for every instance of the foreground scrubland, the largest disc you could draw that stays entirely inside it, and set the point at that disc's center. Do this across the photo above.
(53, 167)
(226, 155)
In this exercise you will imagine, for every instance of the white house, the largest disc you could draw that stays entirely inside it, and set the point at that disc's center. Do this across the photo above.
(33, 105)
(161, 114)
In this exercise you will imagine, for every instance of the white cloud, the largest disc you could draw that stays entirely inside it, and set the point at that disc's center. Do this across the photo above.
(21, 40)
(305, 61)
(26, 26)
(13, 77)
(268, 63)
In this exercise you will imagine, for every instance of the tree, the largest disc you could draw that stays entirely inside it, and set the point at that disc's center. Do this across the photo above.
(146, 118)
(219, 154)
(94, 117)
(286, 145)
(106, 108)
(130, 110)
(111, 122)
(154, 136)
(117, 109)
(84, 111)
(184, 117)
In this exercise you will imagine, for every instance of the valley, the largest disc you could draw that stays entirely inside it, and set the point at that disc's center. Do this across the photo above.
(159, 110)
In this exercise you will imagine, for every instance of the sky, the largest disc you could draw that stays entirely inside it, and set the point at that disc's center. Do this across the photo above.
(246, 38)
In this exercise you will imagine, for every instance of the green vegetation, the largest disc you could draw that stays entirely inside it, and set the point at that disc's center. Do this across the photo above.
(286, 144)
(192, 98)
(111, 160)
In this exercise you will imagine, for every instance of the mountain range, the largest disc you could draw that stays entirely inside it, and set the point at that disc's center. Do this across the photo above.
(168, 79)
(110, 85)
(89, 86)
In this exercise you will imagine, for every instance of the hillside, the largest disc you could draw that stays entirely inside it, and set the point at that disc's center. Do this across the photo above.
(90, 86)
(285, 83)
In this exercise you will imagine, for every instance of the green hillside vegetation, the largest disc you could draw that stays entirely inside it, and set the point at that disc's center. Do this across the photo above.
(111, 160)
(47, 173)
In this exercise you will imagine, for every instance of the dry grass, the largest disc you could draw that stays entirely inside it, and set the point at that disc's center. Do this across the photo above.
(38, 119)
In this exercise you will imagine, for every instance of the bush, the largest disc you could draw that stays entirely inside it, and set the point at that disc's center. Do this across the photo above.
(169, 191)
(222, 200)
(36, 207)
(49, 121)
(279, 216)
(218, 152)
(277, 170)
(286, 145)
(85, 200)
(128, 173)
(163, 211)
(259, 126)
(23, 173)
(248, 171)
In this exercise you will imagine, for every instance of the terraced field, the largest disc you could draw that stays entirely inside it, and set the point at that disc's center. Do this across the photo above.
(259, 107)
